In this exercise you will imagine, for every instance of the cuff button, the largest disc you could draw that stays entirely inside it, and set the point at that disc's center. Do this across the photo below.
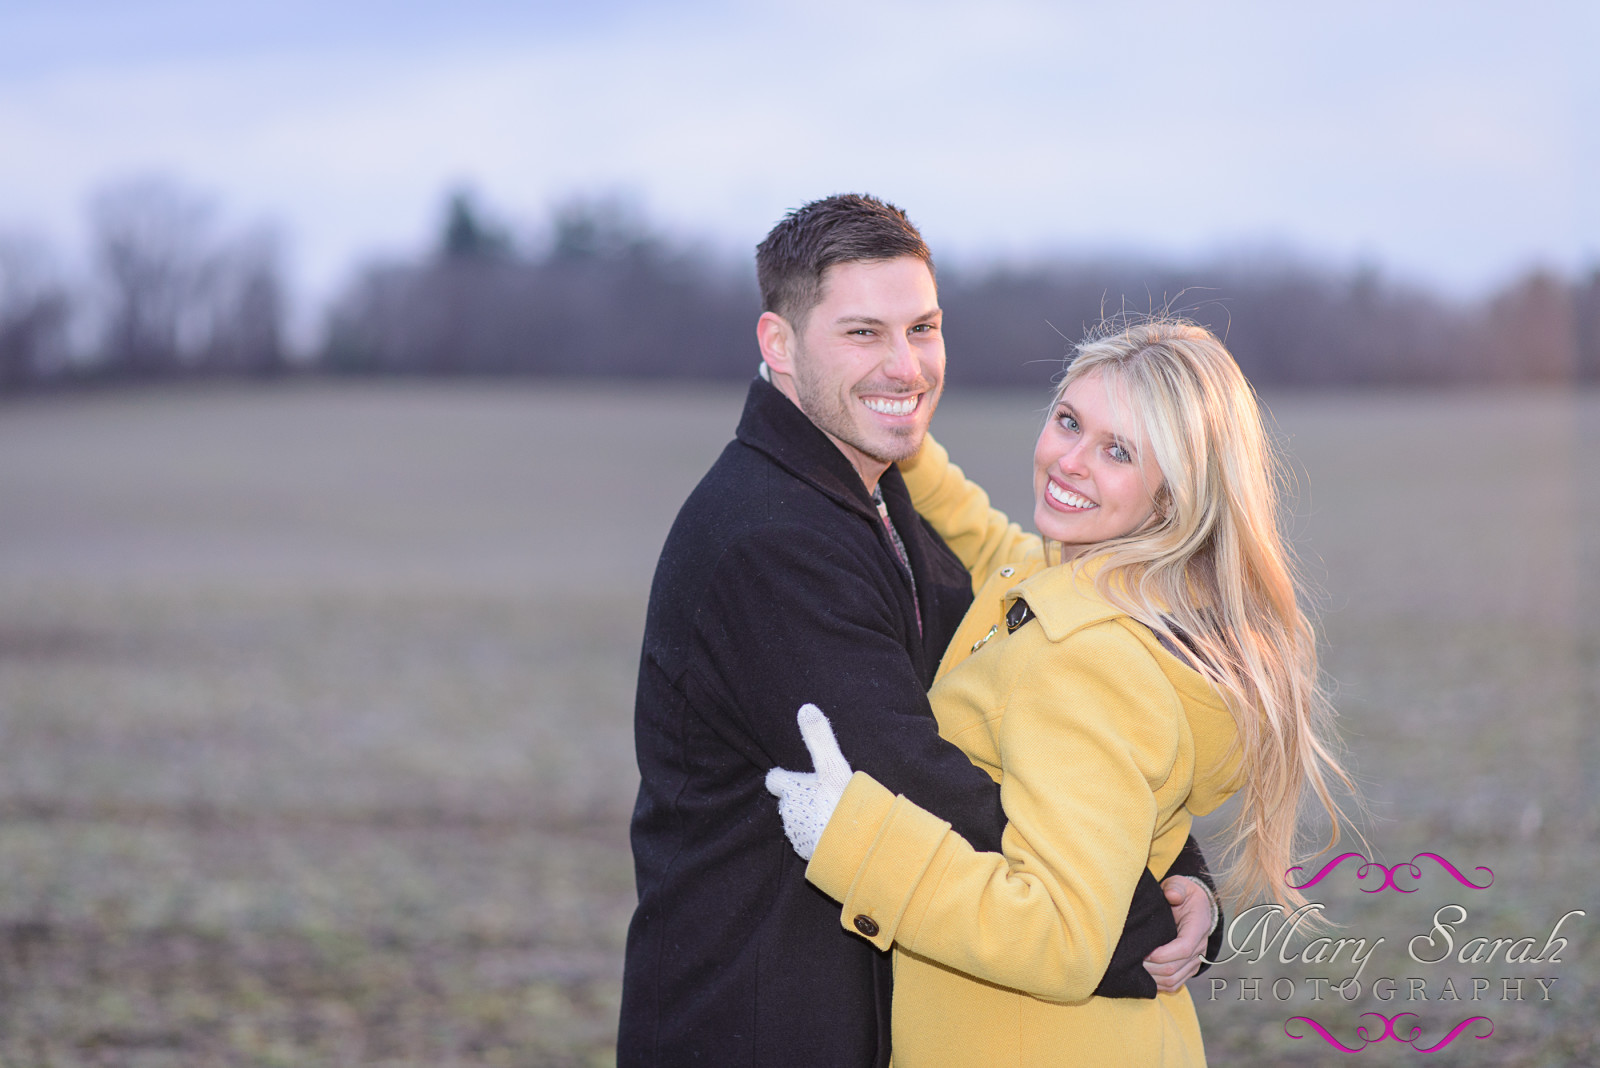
(866, 925)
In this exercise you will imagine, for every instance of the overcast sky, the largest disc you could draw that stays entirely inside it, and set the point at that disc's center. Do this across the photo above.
(1453, 143)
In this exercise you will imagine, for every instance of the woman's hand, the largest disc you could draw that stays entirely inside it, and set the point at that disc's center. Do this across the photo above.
(806, 799)
(1195, 912)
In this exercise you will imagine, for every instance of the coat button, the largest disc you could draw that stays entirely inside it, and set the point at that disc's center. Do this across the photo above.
(992, 632)
(866, 925)
(1007, 572)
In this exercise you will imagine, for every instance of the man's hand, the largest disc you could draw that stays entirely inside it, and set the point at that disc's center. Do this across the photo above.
(1192, 910)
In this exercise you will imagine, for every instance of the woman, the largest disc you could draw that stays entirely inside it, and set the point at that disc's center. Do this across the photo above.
(1132, 666)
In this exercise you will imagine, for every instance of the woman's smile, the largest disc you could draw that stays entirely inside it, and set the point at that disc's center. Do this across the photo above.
(1066, 498)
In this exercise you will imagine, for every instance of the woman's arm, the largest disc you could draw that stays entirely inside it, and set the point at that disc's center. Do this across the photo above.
(1085, 738)
(958, 509)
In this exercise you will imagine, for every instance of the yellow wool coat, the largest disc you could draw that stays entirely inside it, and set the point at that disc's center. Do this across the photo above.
(1104, 745)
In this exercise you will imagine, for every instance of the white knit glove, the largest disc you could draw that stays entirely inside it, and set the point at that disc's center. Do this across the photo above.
(806, 799)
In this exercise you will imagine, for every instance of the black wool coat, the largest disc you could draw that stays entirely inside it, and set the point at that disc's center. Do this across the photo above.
(778, 585)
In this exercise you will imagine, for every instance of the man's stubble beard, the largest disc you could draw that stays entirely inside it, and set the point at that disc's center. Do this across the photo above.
(824, 409)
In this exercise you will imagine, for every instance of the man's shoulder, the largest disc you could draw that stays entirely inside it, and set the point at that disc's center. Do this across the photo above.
(746, 493)
(755, 534)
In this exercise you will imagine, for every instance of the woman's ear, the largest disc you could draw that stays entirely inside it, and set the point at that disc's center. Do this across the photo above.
(1163, 502)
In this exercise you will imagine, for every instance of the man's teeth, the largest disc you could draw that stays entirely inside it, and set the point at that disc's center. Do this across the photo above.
(1067, 497)
(891, 407)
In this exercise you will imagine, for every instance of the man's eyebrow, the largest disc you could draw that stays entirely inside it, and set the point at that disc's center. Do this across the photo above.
(872, 320)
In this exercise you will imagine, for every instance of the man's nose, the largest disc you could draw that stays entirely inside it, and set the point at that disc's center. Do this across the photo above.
(901, 363)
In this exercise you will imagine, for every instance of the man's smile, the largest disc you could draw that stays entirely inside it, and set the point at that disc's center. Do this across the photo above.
(893, 405)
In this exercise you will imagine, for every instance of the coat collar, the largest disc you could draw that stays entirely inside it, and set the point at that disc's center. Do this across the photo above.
(775, 425)
(1063, 598)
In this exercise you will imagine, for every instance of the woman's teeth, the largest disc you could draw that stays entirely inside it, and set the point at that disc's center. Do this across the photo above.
(1067, 497)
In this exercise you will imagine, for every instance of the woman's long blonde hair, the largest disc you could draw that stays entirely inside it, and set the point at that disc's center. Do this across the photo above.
(1213, 572)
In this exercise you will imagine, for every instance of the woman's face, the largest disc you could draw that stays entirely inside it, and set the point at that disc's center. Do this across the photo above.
(1093, 476)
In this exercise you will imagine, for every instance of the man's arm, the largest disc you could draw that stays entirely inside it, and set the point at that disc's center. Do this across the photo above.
(792, 616)
(1193, 896)
(1167, 929)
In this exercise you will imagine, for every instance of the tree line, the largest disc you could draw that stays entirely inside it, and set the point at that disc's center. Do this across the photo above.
(171, 294)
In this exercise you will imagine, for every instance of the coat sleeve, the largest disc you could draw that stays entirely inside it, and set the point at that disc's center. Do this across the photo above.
(791, 617)
(959, 511)
(1084, 742)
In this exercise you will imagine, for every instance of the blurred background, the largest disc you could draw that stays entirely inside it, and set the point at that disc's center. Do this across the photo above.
(354, 360)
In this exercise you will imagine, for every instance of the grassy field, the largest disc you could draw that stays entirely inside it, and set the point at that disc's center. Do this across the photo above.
(315, 712)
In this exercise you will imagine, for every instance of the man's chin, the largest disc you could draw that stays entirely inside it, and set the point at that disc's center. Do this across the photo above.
(901, 445)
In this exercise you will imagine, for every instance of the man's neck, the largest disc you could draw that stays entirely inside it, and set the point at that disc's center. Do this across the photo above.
(869, 469)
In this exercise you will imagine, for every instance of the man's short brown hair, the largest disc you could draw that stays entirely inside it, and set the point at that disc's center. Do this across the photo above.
(845, 228)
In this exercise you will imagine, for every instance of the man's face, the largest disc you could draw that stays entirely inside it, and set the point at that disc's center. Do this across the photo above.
(869, 365)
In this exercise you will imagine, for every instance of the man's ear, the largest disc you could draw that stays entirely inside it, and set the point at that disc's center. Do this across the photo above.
(777, 341)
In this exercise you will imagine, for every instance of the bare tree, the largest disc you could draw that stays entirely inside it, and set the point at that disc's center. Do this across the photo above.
(607, 296)
(245, 299)
(179, 297)
(1532, 331)
(150, 246)
(34, 310)
(1586, 325)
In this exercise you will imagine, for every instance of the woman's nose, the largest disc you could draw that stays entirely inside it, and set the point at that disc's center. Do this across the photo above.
(1074, 460)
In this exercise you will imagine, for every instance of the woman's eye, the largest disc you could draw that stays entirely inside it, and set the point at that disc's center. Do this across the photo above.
(1068, 423)
(1121, 455)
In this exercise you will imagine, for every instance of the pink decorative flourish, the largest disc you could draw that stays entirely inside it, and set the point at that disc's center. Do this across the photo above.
(1388, 883)
(1451, 868)
(1451, 1037)
(1323, 874)
(1388, 876)
(1364, 1036)
(1388, 1028)
(1323, 1031)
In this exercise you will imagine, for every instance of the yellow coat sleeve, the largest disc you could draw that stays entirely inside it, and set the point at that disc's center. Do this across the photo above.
(1085, 740)
(981, 536)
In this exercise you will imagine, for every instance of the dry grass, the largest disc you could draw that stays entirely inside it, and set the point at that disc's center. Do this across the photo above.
(315, 709)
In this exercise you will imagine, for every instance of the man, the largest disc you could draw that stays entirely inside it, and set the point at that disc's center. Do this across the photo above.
(798, 571)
